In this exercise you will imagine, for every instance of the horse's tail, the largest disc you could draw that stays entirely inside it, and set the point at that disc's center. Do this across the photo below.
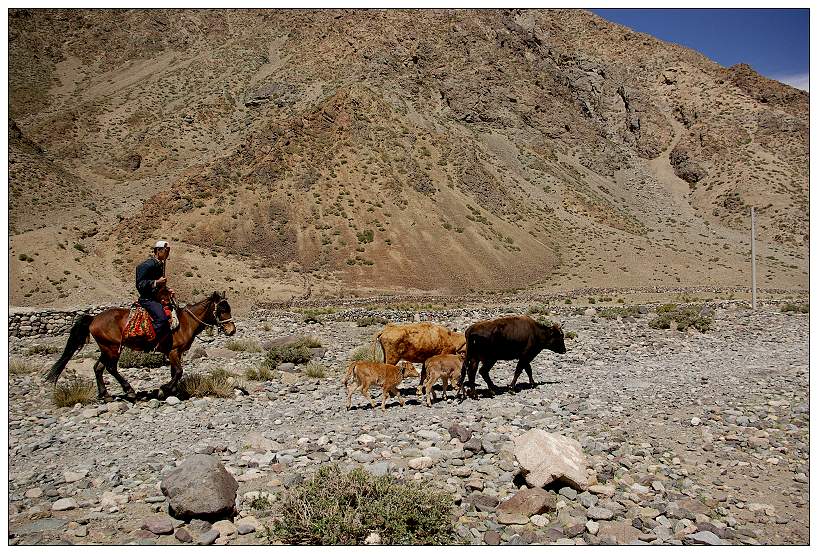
(76, 340)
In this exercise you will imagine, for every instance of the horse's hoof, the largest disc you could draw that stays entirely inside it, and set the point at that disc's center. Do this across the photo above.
(106, 399)
(131, 396)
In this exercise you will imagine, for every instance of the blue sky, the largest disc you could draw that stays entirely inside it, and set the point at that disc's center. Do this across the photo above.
(775, 42)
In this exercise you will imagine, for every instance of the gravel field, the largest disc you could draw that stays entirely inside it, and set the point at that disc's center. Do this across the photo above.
(690, 438)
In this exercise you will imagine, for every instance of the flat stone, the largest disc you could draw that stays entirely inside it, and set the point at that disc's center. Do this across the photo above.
(491, 538)
(208, 537)
(507, 518)
(423, 462)
(529, 502)
(161, 525)
(225, 528)
(183, 535)
(172, 401)
(706, 537)
(621, 532)
(595, 512)
(64, 504)
(41, 525)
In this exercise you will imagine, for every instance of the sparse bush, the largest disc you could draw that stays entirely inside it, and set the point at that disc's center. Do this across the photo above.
(796, 308)
(297, 353)
(367, 321)
(262, 503)
(666, 308)
(540, 309)
(43, 349)
(570, 335)
(261, 373)
(315, 370)
(362, 353)
(366, 236)
(243, 345)
(618, 311)
(218, 382)
(568, 301)
(74, 391)
(132, 358)
(684, 318)
(592, 300)
(337, 508)
(21, 367)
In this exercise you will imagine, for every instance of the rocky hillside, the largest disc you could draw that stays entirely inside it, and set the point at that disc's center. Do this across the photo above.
(336, 152)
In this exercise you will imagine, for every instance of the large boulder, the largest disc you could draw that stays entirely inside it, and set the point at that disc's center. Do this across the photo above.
(546, 457)
(200, 488)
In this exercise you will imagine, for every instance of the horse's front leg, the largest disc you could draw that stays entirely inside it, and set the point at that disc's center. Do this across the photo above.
(172, 386)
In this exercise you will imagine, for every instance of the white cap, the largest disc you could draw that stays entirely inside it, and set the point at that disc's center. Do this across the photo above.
(162, 244)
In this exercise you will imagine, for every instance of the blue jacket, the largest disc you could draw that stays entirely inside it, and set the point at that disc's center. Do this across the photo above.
(146, 273)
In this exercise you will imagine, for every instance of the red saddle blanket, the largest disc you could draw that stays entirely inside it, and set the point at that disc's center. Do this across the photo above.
(139, 324)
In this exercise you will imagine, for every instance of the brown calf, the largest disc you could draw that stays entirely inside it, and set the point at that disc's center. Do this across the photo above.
(362, 374)
(445, 367)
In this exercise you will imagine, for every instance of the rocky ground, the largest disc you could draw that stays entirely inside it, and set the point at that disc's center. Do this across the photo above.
(690, 438)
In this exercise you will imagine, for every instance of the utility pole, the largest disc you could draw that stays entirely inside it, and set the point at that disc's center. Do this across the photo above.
(753, 250)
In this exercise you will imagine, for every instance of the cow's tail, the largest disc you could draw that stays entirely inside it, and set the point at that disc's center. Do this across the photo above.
(349, 373)
(76, 340)
(383, 350)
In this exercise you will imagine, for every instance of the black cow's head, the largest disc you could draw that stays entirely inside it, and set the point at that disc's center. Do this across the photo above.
(556, 339)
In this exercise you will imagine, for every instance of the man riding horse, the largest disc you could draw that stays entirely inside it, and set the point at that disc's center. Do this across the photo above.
(151, 284)
(108, 329)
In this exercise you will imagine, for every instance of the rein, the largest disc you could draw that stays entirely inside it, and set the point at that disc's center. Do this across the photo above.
(219, 322)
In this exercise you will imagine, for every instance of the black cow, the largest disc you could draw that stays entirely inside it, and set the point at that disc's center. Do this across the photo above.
(515, 337)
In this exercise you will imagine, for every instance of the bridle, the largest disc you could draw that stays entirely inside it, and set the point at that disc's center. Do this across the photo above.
(219, 322)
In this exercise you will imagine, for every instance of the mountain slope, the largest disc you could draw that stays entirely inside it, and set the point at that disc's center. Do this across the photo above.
(338, 151)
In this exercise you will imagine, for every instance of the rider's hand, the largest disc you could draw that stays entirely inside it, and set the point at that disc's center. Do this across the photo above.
(161, 282)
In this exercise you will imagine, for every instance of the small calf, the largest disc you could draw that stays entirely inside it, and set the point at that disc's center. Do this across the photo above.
(362, 374)
(443, 366)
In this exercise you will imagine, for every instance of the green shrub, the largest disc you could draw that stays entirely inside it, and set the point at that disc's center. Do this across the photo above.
(74, 391)
(570, 335)
(541, 309)
(243, 345)
(368, 321)
(366, 236)
(592, 300)
(568, 301)
(796, 308)
(335, 508)
(218, 382)
(21, 367)
(132, 358)
(666, 308)
(315, 370)
(684, 318)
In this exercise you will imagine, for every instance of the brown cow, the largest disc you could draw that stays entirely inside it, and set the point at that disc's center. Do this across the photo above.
(416, 342)
(515, 337)
(445, 367)
(363, 374)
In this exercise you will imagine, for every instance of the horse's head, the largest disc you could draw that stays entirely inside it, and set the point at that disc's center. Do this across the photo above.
(221, 312)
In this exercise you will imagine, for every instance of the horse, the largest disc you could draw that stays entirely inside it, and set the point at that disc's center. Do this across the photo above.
(107, 329)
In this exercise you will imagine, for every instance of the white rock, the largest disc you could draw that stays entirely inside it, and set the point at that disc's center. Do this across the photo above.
(366, 439)
(424, 462)
(695, 421)
(546, 457)
(373, 538)
(172, 400)
(64, 504)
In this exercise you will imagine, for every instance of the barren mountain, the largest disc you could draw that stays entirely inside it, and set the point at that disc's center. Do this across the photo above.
(335, 152)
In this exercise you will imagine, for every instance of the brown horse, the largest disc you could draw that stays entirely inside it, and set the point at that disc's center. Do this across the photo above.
(107, 327)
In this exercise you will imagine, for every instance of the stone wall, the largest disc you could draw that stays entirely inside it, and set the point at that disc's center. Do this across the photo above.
(37, 322)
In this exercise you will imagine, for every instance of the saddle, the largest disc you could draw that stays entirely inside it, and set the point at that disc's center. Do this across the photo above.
(139, 324)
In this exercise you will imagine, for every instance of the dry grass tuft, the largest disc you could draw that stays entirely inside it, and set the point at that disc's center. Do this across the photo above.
(74, 391)
(218, 383)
